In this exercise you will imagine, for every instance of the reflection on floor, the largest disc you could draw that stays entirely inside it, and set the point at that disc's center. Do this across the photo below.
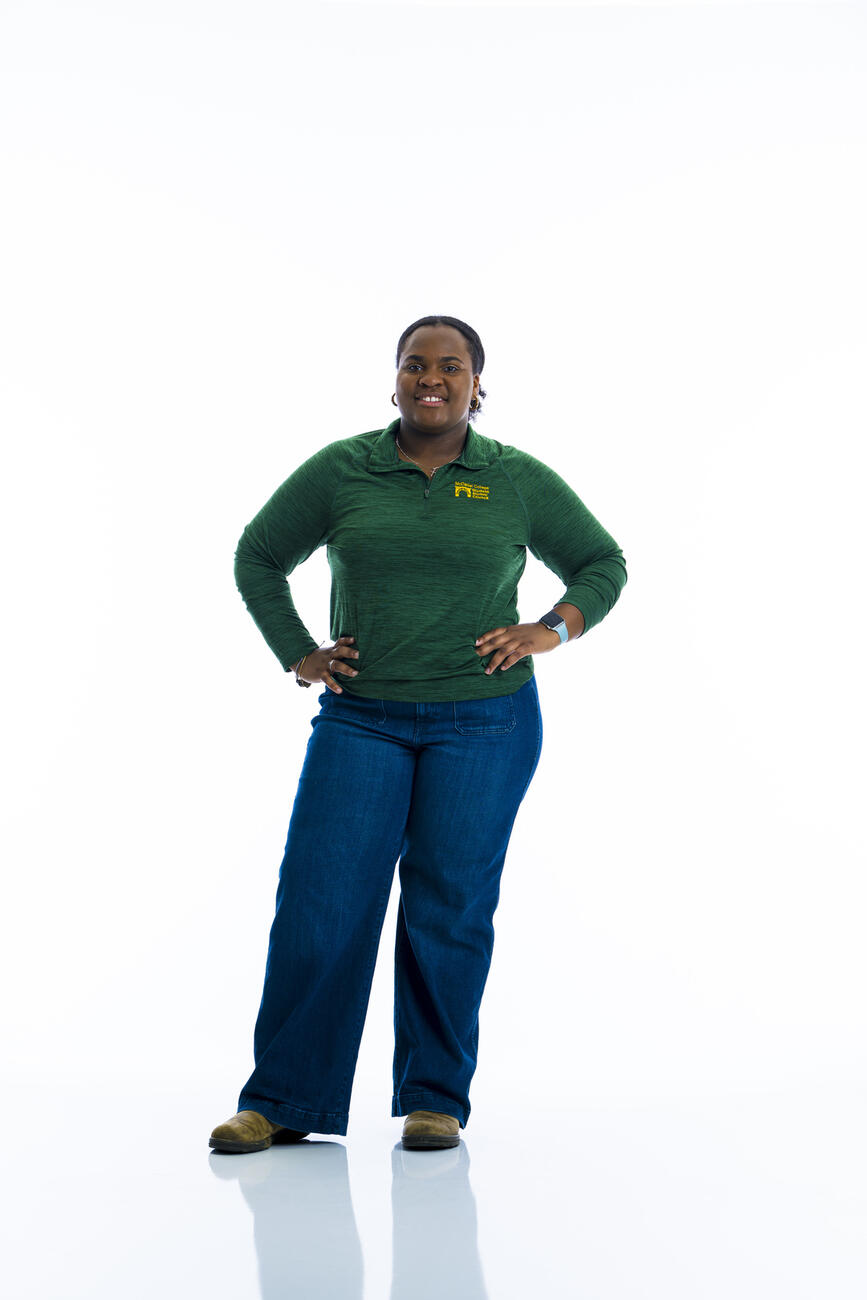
(753, 1195)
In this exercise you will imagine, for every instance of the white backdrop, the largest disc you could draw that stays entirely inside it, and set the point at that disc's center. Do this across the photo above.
(217, 219)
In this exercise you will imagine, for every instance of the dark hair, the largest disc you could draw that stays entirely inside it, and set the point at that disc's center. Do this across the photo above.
(477, 352)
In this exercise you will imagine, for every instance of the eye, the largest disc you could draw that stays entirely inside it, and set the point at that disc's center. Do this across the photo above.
(450, 367)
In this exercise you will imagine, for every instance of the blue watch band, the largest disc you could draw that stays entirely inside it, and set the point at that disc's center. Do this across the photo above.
(556, 623)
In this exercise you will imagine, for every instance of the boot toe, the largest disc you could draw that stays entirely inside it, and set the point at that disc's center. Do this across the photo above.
(250, 1131)
(428, 1128)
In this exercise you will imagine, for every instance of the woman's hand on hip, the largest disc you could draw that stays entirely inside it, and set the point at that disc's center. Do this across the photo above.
(321, 665)
(509, 644)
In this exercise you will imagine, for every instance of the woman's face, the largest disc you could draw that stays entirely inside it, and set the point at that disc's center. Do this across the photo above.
(435, 362)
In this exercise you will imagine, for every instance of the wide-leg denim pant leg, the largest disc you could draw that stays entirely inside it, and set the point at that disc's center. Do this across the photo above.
(345, 835)
(470, 779)
(438, 786)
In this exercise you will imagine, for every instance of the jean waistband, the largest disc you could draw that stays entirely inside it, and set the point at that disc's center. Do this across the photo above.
(417, 709)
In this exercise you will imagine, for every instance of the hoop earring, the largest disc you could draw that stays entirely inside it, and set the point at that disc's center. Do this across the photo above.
(393, 402)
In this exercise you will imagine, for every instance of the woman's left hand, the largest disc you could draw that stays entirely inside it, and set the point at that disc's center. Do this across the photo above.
(509, 644)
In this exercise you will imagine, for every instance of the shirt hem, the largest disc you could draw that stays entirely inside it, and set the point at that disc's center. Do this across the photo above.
(497, 684)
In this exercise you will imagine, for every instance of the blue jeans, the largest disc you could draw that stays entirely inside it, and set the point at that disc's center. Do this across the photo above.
(437, 786)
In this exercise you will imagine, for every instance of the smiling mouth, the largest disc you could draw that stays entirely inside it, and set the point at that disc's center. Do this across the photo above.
(431, 401)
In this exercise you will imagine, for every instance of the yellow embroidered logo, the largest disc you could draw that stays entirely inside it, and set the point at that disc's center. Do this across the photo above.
(471, 490)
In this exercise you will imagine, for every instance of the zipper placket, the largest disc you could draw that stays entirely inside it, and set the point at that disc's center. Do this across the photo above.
(430, 480)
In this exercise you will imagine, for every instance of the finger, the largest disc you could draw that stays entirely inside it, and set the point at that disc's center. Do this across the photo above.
(332, 684)
(329, 671)
(523, 651)
(505, 659)
(504, 647)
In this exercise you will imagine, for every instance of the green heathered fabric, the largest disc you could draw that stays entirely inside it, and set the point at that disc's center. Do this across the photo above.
(421, 568)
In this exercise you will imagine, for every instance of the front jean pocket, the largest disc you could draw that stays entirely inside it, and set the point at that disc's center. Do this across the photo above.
(355, 708)
(495, 717)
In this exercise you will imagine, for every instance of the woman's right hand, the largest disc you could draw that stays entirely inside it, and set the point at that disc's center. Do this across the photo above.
(320, 665)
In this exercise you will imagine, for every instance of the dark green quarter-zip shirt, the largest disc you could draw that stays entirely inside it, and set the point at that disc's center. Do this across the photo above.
(422, 567)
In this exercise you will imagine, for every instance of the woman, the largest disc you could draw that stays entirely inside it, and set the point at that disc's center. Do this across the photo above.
(426, 740)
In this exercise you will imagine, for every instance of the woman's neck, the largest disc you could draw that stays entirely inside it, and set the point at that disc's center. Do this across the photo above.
(431, 448)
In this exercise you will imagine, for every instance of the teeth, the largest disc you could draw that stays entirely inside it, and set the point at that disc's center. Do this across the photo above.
(431, 401)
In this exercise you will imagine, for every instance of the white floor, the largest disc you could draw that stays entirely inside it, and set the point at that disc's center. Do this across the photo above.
(746, 1196)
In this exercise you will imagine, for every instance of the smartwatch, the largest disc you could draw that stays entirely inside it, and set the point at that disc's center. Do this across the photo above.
(556, 623)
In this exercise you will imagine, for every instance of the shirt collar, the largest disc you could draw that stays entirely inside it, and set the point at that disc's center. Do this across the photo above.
(477, 451)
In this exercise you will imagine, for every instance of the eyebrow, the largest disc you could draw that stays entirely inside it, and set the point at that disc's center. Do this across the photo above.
(414, 356)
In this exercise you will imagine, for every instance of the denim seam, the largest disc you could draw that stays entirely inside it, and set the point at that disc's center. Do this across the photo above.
(303, 1110)
(371, 966)
(377, 719)
(505, 730)
(420, 1092)
(533, 767)
(398, 1019)
(431, 1094)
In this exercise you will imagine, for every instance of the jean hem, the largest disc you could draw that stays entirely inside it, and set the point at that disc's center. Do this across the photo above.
(297, 1117)
(402, 1103)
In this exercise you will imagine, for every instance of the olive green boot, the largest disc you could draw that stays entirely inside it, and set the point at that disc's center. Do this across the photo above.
(430, 1128)
(250, 1131)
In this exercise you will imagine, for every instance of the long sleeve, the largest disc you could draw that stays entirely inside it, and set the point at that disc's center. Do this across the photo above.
(570, 541)
(420, 567)
(291, 525)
